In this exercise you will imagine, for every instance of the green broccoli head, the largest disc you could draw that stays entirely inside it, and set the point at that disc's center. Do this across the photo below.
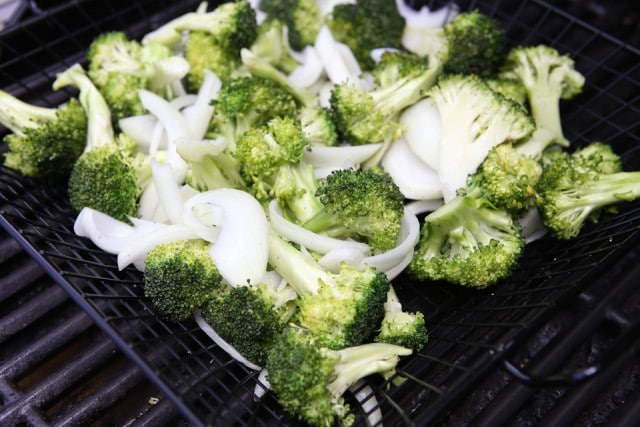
(250, 318)
(476, 44)
(362, 204)
(203, 52)
(400, 327)
(113, 52)
(576, 188)
(509, 88)
(310, 381)
(44, 142)
(180, 277)
(397, 65)
(601, 156)
(318, 126)
(548, 78)
(301, 17)
(507, 178)
(367, 25)
(469, 242)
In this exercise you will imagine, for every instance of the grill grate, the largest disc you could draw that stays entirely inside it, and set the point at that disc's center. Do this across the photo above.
(477, 338)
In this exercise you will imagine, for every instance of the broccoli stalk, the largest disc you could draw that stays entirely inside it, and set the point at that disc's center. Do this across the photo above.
(272, 45)
(576, 188)
(310, 380)
(107, 176)
(400, 327)
(44, 142)
(339, 309)
(467, 241)
(548, 78)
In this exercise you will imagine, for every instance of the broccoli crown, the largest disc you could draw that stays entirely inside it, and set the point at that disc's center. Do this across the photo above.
(395, 65)
(547, 77)
(404, 329)
(295, 189)
(262, 150)
(250, 318)
(510, 88)
(43, 145)
(302, 18)
(476, 44)
(467, 241)
(120, 92)
(310, 380)
(574, 189)
(208, 171)
(234, 25)
(272, 45)
(366, 25)
(506, 178)
(113, 52)
(180, 277)
(347, 311)
(109, 179)
(203, 52)
(602, 156)
(360, 203)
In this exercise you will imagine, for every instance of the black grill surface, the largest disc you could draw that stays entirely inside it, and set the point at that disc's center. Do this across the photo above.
(557, 343)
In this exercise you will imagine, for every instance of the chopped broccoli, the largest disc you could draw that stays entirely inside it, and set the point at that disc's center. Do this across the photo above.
(362, 204)
(251, 317)
(507, 178)
(365, 25)
(107, 176)
(400, 327)
(43, 142)
(576, 188)
(364, 116)
(318, 125)
(474, 119)
(180, 277)
(339, 309)
(302, 18)
(548, 78)
(272, 45)
(310, 380)
(510, 88)
(203, 52)
(469, 242)
(604, 159)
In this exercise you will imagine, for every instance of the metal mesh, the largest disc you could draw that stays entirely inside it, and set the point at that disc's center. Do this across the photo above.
(470, 331)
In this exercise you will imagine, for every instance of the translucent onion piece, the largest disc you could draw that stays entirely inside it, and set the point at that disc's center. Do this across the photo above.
(204, 219)
(339, 62)
(168, 190)
(333, 259)
(139, 128)
(338, 156)
(425, 17)
(106, 232)
(532, 226)
(423, 128)
(309, 71)
(423, 206)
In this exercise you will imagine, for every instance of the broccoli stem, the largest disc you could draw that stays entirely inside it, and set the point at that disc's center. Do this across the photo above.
(18, 115)
(606, 190)
(545, 110)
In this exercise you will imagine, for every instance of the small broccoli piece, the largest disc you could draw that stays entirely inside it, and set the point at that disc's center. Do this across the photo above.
(107, 176)
(339, 309)
(301, 17)
(318, 126)
(365, 25)
(474, 119)
(475, 44)
(295, 189)
(251, 317)
(362, 204)
(575, 189)
(203, 52)
(44, 142)
(364, 116)
(469, 242)
(510, 88)
(400, 327)
(272, 46)
(180, 277)
(246, 102)
(263, 151)
(507, 178)
(604, 159)
(548, 78)
(310, 380)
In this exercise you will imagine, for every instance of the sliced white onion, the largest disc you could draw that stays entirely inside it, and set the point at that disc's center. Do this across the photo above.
(104, 231)
(168, 190)
(241, 249)
(139, 128)
(198, 115)
(339, 63)
(416, 179)
(204, 219)
(425, 17)
(168, 70)
(339, 156)
(532, 226)
(423, 206)
(423, 128)
(334, 259)
(309, 71)
(228, 348)
(313, 241)
(262, 385)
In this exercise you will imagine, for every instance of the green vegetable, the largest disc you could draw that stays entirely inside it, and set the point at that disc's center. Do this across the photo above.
(400, 327)
(301, 17)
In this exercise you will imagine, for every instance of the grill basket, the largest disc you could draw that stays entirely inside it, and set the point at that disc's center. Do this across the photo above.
(471, 332)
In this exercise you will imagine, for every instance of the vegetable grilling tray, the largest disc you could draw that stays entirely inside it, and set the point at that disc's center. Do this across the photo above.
(471, 332)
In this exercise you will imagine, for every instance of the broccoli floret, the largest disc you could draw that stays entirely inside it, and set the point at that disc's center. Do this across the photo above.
(474, 119)
(510, 88)
(302, 18)
(507, 178)
(364, 116)
(548, 78)
(575, 189)
(43, 142)
(180, 277)
(107, 176)
(263, 151)
(475, 44)
(246, 102)
(339, 309)
(251, 317)
(400, 327)
(203, 52)
(318, 126)
(272, 45)
(310, 380)
(602, 156)
(362, 204)
(365, 25)
(469, 242)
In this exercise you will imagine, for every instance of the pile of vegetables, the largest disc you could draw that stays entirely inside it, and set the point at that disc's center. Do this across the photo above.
(264, 165)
